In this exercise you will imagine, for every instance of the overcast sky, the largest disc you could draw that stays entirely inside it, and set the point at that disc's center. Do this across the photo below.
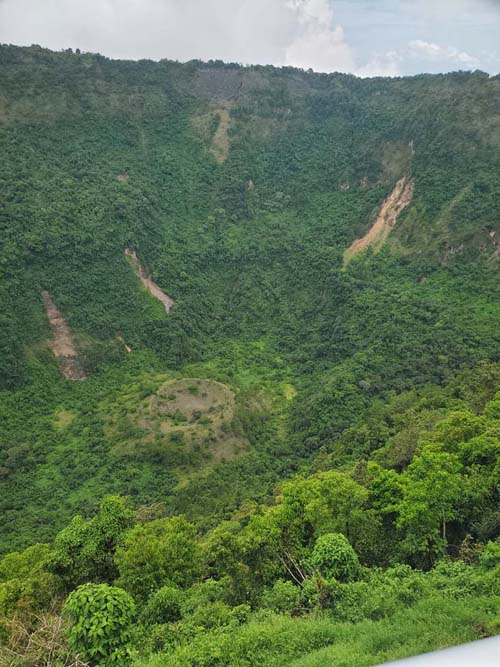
(365, 37)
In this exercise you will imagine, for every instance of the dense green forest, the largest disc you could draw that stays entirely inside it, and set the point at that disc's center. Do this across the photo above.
(298, 463)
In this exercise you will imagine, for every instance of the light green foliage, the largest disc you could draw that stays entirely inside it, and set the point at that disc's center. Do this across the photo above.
(26, 585)
(379, 594)
(489, 558)
(283, 597)
(334, 557)
(456, 580)
(101, 617)
(280, 641)
(205, 605)
(433, 491)
(217, 614)
(84, 550)
(325, 501)
(158, 552)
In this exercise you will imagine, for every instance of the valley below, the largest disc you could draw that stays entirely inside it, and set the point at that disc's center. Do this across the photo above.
(249, 363)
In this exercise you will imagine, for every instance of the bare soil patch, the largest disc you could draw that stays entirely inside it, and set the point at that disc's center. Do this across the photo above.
(220, 142)
(62, 344)
(390, 210)
(149, 284)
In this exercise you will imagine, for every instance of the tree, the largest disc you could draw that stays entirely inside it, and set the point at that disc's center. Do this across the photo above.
(277, 540)
(323, 502)
(84, 550)
(433, 488)
(283, 597)
(25, 584)
(156, 553)
(163, 606)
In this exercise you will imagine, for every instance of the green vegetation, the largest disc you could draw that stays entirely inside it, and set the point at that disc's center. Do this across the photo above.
(299, 463)
(101, 617)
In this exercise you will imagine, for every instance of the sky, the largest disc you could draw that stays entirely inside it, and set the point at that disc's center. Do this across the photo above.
(363, 37)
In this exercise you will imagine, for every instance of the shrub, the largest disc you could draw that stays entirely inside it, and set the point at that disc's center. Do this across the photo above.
(490, 556)
(282, 597)
(380, 595)
(334, 557)
(100, 618)
(84, 549)
(164, 606)
(456, 580)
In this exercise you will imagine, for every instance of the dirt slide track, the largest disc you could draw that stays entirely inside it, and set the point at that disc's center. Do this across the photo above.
(62, 344)
(220, 141)
(149, 284)
(390, 210)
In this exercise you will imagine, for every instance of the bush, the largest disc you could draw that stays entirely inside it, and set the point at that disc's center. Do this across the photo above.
(164, 606)
(282, 597)
(380, 595)
(334, 557)
(490, 556)
(101, 617)
(456, 580)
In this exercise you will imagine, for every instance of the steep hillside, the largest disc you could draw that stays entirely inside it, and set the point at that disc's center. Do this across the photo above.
(235, 192)
(214, 278)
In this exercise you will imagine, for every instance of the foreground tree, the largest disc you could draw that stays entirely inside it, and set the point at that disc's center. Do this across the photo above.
(433, 489)
(100, 619)
(156, 553)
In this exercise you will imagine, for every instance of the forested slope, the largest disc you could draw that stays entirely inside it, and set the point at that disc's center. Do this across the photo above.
(323, 360)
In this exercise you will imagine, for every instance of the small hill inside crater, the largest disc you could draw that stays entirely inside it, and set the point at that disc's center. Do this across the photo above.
(185, 422)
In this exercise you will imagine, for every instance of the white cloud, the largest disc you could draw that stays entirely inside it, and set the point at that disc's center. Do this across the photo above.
(438, 53)
(319, 44)
(387, 64)
(237, 30)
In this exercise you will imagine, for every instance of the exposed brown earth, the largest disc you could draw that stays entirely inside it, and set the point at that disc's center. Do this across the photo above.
(126, 347)
(219, 142)
(390, 210)
(149, 284)
(62, 344)
(494, 238)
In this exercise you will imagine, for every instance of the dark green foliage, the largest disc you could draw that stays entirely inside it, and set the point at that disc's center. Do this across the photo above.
(84, 550)
(163, 606)
(99, 156)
